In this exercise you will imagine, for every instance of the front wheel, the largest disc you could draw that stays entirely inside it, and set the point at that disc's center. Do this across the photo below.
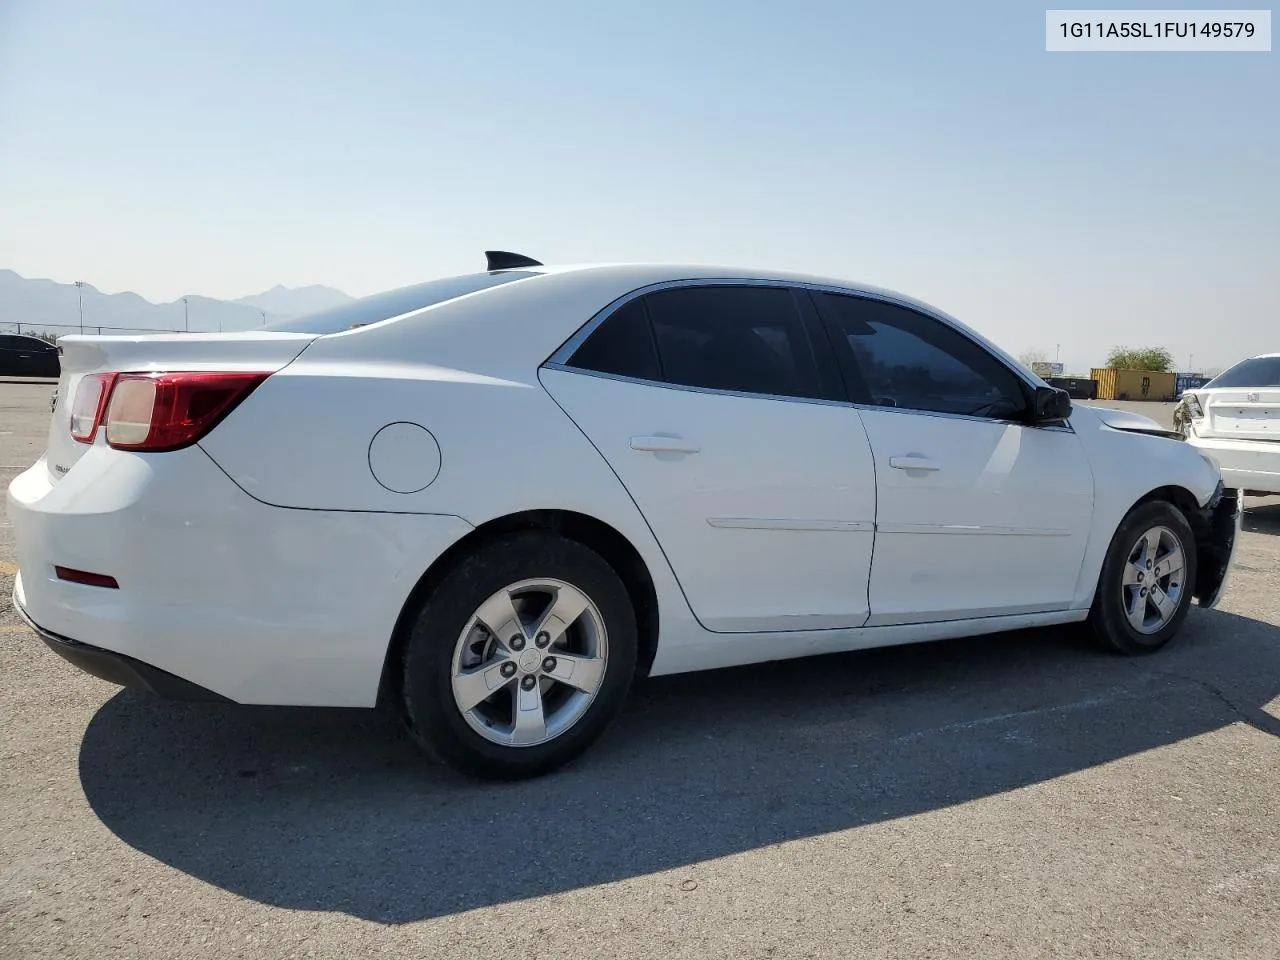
(520, 658)
(1144, 590)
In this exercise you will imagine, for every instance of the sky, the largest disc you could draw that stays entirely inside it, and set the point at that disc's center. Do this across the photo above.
(1064, 203)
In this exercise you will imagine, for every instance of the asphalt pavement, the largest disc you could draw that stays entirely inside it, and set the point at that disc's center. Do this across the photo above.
(1015, 796)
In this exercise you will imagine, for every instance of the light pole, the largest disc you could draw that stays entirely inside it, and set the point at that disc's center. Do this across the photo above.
(80, 293)
(186, 320)
(1057, 352)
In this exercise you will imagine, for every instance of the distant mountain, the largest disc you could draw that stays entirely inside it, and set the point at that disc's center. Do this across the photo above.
(47, 306)
(286, 302)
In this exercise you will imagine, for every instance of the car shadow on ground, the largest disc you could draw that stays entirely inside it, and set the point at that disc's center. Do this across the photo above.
(1262, 517)
(335, 810)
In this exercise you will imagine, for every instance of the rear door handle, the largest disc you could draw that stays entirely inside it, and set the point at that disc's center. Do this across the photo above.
(665, 445)
(914, 463)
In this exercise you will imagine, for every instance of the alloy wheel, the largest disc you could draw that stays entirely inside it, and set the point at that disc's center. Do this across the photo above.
(1152, 584)
(529, 662)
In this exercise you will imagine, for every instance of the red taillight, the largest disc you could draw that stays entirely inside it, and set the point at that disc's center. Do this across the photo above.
(86, 578)
(90, 402)
(156, 411)
(167, 411)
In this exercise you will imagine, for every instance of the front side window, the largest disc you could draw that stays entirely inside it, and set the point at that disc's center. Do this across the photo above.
(745, 339)
(898, 357)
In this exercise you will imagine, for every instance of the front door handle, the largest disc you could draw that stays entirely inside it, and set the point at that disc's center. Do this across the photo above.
(914, 463)
(665, 445)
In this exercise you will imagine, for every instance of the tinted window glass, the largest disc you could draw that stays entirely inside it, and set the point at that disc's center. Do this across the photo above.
(908, 360)
(745, 339)
(25, 344)
(384, 306)
(623, 344)
(1256, 372)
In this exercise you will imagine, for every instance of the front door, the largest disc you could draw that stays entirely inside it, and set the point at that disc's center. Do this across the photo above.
(979, 514)
(976, 518)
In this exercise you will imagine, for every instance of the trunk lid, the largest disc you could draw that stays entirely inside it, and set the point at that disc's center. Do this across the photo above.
(1240, 413)
(254, 350)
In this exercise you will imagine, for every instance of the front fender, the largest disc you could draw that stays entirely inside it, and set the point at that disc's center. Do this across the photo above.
(1130, 461)
(1133, 455)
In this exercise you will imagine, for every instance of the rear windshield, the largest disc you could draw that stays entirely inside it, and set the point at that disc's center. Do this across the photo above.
(384, 306)
(1257, 372)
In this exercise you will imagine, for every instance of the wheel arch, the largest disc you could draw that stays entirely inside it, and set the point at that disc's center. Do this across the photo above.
(1111, 517)
(1213, 527)
(1178, 496)
(589, 531)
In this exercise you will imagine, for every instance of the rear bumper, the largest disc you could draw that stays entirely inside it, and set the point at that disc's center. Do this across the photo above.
(256, 604)
(1252, 465)
(114, 667)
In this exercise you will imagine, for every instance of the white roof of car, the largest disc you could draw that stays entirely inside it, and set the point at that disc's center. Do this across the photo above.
(503, 328)
(715, 271)
(635, 275)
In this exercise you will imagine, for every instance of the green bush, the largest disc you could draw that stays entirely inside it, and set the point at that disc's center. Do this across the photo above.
(1154, 359)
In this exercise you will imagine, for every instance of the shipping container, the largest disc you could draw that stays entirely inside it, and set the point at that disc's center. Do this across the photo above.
(1078, 388)
(1134, 384)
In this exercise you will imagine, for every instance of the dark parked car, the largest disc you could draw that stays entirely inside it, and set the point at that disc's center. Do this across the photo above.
(23, 356)
(1078, 388)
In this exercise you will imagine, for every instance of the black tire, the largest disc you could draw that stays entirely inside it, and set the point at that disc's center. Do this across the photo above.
(1108, 617)
(431, 713)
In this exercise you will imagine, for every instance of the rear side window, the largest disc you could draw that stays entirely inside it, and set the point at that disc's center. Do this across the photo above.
(1255, 372)
(622, 345)
(747, 339)
(393, 303)
(898, 357)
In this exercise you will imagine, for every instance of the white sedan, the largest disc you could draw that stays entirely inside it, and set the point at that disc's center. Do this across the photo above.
(494, 500)
(1235, 419)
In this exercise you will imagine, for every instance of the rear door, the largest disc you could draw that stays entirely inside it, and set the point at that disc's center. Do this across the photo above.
(45, 361)
(725, 425)
(979, 513)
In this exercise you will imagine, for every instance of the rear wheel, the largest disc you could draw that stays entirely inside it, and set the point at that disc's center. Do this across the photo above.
(520, 658)
(1144, 590)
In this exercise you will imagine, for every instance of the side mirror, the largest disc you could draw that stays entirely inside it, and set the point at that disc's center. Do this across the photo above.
(1051, 405)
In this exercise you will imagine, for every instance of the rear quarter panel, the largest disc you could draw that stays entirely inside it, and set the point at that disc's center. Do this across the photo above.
(302, 440)
(467, 371)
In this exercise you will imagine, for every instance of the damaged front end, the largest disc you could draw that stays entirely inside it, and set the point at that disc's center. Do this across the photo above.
(1216, 526)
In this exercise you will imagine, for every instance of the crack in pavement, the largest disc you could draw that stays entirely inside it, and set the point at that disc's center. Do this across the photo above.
(1257, 718)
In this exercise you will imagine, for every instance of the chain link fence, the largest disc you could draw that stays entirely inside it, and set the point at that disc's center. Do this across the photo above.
(51, 331)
